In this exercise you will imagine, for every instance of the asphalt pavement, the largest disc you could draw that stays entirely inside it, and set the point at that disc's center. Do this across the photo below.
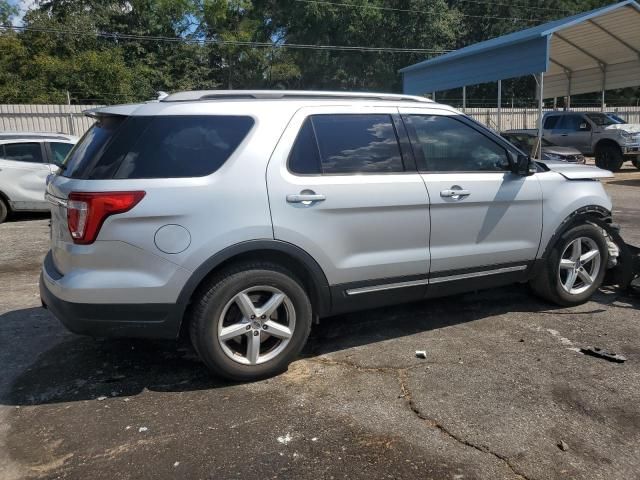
(503, 393)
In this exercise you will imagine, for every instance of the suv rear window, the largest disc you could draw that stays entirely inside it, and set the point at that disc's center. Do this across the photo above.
(156, 147)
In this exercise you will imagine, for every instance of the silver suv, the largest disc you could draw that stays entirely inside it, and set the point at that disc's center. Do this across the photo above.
(597, 134)
(241, 218)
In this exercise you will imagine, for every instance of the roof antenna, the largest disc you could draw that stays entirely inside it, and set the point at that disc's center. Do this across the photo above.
(162, 95)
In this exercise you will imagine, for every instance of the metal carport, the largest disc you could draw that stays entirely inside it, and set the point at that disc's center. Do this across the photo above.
(587, 52)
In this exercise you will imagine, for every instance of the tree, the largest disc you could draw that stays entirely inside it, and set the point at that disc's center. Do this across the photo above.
(7, 12)
(111, 51)
(309, 23)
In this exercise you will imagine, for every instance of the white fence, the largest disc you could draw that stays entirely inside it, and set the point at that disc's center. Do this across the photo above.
(45, 118)
(69, 118)
(528, 117)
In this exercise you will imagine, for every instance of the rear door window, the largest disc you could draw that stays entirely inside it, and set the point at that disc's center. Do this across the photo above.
(162, 146)
(30, 152)
(346, 144)
(304, 158)
(357, 144)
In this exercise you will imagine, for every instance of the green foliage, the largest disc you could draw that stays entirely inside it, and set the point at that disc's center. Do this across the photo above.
(7, 12)
(211, 51)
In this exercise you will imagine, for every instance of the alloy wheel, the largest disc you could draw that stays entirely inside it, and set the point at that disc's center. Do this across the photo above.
(256, 325)
(579, 265)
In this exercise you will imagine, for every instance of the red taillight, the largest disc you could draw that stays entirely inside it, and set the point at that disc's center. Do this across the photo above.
(87, 211)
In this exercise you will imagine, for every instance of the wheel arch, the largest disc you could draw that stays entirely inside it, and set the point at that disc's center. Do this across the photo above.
(606, 142)
(288, 255)
(5, 198)
(581, 215)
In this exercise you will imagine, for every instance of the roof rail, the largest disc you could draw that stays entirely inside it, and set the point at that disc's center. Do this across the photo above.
(34, 136)
(198, 95)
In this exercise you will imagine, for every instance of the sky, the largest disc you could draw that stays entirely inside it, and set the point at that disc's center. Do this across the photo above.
(23, 6)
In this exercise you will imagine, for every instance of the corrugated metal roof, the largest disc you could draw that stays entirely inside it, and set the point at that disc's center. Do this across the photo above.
(605, 38)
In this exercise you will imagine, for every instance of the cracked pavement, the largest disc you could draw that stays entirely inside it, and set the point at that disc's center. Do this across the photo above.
(501, 387)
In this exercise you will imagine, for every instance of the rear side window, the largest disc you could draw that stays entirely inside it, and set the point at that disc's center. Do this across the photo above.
(165, 147)
(346, 144)
(184, 146)
(23, 152)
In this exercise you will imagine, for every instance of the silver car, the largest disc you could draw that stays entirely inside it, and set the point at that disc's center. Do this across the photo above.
(26, 160)
(526, 140)
(242, 217)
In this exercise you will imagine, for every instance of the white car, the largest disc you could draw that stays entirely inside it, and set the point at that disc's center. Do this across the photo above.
(26, 159)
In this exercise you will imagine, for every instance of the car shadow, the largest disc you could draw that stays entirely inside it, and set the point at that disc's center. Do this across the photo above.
(27, 216)
(630, 182)
(81, 368)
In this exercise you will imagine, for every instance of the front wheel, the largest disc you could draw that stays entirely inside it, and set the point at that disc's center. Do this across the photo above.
(250, 322)
(609, 157)
(4, 210)
(575, 268)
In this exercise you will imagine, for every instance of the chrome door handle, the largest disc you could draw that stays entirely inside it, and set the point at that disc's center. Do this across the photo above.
(306, 198)
(455, 193)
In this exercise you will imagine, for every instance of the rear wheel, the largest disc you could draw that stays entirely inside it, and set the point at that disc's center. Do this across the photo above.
(251, 322)
(4, 210)
(609, 157)
(575, 268)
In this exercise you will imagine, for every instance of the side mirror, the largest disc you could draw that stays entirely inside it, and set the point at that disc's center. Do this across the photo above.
(584, 126)
(523, 166)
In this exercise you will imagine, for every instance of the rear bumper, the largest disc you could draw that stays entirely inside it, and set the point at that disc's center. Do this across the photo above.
(149, 320)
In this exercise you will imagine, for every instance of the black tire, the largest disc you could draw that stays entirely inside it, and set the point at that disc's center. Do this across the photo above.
(636, 162)
(609, 157)
(547, 284)
(217, 295)
(4, 211)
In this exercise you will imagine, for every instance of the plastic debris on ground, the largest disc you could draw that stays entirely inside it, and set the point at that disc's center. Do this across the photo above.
(600, 353)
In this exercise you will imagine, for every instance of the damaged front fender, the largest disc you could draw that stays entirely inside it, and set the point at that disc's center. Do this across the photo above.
(625, 259)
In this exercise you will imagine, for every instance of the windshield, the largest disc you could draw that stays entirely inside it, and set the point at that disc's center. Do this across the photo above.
(601, 119)
(615, 118)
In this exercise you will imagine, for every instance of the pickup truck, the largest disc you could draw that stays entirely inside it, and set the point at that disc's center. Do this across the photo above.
(595, 134)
